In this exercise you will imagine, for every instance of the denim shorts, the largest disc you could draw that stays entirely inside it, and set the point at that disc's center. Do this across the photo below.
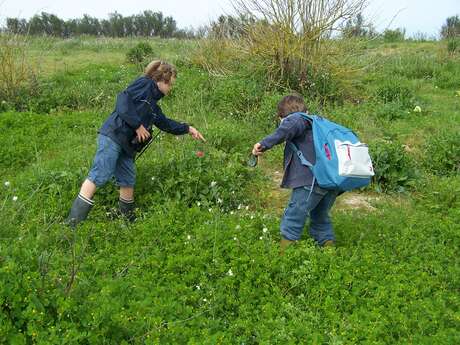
(111, 160)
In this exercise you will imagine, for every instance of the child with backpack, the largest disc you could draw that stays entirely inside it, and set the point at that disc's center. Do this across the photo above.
(321, 160)
(126, 131)
(305, 202)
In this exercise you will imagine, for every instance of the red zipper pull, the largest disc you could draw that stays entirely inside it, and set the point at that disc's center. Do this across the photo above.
(328, 153)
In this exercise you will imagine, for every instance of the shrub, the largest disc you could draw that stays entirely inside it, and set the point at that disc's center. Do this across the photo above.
(390, 111)
(394, 168)
(216, 180)
(16, 70)
(235, 95)
(396, 35)
(440, 195)
(139, 53)
(442, 153)
(414, 66)
(395, 90)
(453, 45)
(448, 76)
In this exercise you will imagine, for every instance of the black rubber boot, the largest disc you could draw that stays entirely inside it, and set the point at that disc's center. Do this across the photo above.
(79, 211)
(126, 208)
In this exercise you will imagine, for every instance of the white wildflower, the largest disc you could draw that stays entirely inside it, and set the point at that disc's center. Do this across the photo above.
(220, 201)
(417, 109)
(7, 183)
(264, 230)
(235, 238)
(252, 216)
(210, 209)
(247, 208)
(261, 238)
(15, 198)
(153, 178)
(189, 237)
(238, 227)
(198, 203)
(198, 287)
(230, 273)
(239, 206)
(205, 300)
(213, 184)
(231, 212)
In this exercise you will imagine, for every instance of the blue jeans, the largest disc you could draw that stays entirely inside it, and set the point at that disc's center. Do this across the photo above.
(111, 160)
(316, 206)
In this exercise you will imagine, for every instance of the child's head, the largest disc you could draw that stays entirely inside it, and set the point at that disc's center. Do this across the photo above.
(163, 73)
(291, 104)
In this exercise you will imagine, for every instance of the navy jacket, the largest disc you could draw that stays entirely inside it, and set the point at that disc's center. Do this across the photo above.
(296, 129)
(137, 105)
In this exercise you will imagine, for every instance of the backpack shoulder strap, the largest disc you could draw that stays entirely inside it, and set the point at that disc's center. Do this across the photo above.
(299, 154)
(306, 117)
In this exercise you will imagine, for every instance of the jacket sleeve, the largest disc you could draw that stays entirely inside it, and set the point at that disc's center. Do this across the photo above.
(289, 128)
(127, 110)
(169, 125)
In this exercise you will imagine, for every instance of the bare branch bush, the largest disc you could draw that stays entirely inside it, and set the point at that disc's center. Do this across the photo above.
(16, 70)
(297, 39)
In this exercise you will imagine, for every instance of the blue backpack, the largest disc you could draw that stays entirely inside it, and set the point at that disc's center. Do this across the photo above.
(342, 161)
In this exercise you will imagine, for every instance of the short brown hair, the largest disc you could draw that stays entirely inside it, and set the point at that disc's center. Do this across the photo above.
(291, 104)
(160, 71)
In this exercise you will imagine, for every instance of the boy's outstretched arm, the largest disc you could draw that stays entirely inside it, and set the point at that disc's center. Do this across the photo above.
(289, 128)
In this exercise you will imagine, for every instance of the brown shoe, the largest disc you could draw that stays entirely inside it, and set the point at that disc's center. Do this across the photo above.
(284, 244)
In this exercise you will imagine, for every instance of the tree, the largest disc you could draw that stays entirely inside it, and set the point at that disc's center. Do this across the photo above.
(16, 26)
(356, 27)
(451, 28)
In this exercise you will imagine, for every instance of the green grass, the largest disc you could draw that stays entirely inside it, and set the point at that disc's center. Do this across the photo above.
(198, 267)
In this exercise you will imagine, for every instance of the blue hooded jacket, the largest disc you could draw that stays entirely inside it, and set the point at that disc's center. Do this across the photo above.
(135, 106)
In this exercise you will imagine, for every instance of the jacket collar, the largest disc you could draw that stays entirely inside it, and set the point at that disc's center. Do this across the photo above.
(156, 93)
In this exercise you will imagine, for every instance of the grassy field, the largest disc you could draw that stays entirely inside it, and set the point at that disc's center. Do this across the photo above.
(201, 263)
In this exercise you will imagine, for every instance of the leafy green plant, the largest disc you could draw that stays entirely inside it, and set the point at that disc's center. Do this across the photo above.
(394, 167)
(442, 153)
(390, 111)
(394, 90)
(139, 53)
(453, 45)
(396, 35)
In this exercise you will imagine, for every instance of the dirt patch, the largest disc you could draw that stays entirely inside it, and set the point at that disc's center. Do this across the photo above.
(356, 201)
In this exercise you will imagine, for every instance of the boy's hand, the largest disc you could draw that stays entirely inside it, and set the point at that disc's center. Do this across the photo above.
(142, 134)
(195, 134)
(257, 149)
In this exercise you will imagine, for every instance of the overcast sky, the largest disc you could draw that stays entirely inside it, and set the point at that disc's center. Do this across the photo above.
(426, 16)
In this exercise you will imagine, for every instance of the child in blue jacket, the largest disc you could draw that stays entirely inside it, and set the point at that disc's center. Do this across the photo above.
(124, 133)
(299, 178)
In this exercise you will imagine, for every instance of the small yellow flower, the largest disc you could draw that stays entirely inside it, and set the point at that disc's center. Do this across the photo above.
(417, 109)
